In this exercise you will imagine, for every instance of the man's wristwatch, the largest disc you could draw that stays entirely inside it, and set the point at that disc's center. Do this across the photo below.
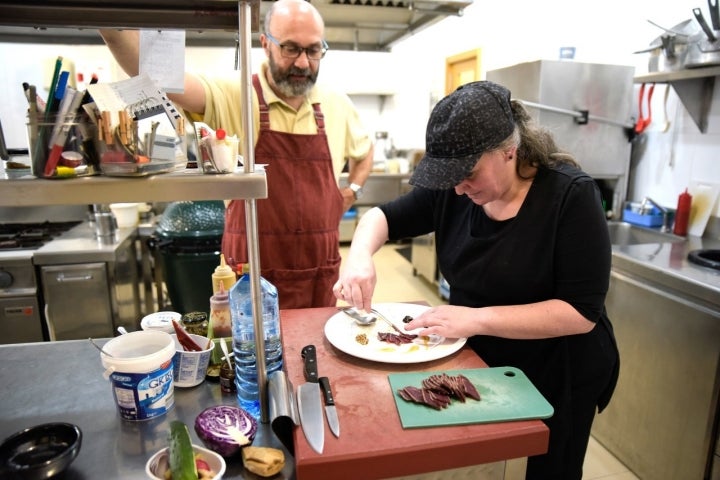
(357, 190)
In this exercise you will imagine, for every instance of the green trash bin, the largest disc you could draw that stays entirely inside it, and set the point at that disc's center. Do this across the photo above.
(188, 240)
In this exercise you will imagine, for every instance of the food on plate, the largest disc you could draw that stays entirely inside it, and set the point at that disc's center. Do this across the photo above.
(407, 319)
(187, 342)
(263, 461)
(396, 338)
(438, 391)
(362, 339)
(225, 429)
(183, 463)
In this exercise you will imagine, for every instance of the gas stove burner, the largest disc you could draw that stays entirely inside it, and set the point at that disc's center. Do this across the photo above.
(31, 236)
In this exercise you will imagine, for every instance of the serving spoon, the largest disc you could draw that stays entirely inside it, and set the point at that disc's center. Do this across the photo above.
(224, 348)
(361, 318)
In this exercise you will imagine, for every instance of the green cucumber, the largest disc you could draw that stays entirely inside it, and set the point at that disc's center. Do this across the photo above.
(182, 456)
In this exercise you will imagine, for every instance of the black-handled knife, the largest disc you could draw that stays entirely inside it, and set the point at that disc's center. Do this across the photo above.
(310, 402)
(310, 369)
(330, 410)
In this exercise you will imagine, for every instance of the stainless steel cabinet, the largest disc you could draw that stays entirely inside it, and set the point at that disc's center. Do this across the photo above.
(424, 258)
(661, 420)
(77, 303)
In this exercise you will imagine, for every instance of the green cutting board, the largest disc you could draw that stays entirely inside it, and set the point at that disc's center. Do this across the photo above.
(506, 394)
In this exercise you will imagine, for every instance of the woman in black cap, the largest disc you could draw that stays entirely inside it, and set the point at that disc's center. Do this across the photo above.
(522, 240)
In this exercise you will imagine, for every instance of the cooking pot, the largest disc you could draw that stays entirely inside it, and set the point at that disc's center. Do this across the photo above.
(704, 46)
(668, 52)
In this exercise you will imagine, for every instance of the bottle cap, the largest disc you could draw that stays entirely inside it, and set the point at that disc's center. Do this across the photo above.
(220, 134)
(221, 294)
(223, 269)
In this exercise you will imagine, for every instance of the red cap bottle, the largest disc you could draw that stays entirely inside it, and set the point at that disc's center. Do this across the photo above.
(682, 214)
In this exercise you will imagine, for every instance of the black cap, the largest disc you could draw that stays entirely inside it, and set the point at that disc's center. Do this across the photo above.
(473, 119)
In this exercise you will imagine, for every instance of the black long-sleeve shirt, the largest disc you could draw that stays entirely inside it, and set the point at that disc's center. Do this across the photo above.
(557, 247)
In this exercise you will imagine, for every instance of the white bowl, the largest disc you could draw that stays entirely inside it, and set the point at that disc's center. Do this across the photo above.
(157, 465)
(126, 214)
(160, 321)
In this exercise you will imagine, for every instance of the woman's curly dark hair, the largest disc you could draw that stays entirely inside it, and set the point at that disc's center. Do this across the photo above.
(536, 145)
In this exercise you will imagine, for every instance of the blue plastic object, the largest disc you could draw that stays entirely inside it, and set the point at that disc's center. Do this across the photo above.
(654, 217)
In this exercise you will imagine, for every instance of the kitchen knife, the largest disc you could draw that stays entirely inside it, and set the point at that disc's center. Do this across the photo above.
(309, 401)
(703, 24)
(714, 8)
(330, 410)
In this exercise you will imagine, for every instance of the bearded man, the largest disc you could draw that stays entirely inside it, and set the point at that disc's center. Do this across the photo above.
(304, 133)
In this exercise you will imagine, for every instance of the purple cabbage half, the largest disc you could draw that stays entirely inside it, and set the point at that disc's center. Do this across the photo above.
(225, 429)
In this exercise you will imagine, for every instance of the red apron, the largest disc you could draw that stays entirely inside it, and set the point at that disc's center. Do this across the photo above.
(298, 224)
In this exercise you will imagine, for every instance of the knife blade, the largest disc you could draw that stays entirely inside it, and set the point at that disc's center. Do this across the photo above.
(309, 401)
(330, 410)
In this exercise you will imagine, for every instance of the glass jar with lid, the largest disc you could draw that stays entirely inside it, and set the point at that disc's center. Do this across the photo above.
(196, 323)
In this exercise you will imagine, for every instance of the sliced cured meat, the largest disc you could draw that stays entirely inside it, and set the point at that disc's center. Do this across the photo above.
(438, 391)
(424, 396)
(396, 338)
(469, 388)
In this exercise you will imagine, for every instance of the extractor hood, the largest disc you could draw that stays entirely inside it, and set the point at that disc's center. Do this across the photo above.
(363, 25)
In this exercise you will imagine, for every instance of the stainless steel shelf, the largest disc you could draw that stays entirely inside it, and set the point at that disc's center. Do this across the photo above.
(670, 77)
(694, 87)
(374, 27)
(169, 187)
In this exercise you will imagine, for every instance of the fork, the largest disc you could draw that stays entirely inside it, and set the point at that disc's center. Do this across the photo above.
(386, 320)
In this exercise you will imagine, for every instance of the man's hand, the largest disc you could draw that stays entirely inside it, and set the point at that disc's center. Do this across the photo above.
(348, 198)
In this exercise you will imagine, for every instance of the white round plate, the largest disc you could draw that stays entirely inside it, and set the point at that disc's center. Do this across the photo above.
(343, 333)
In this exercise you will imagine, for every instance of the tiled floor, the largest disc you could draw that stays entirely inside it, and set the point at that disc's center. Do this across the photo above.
(396, 283)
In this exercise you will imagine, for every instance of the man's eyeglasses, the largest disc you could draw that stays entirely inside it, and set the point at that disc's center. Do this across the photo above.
(290, 50)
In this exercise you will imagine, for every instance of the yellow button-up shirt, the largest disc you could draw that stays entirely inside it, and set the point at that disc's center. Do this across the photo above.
(347, 138)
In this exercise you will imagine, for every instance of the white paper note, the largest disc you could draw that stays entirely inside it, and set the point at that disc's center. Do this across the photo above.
(162, 57)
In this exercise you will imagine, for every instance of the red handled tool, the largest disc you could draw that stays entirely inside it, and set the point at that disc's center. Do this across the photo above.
(642, 121)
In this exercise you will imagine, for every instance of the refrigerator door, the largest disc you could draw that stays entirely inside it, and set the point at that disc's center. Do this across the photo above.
(77, 302)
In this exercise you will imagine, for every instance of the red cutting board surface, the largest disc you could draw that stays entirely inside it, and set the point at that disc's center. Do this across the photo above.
(506, 394)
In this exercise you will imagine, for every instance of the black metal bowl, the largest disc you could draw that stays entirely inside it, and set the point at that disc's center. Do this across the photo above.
(705, 258)
(39, 452)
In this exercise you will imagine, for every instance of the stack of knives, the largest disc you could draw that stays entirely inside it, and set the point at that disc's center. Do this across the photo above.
(310, 404)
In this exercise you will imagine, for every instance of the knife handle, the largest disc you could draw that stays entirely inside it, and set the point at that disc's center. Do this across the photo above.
(310, 369)
(326, 391)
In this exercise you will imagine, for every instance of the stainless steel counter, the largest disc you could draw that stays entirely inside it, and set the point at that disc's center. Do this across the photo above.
(666, 315)
(80, 245)
(667, 264)
(63, 382)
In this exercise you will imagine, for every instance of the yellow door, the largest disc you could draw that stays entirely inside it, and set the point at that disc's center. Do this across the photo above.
(461, 69)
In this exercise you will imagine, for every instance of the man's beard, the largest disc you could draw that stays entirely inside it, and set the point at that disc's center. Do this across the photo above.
(290, 87)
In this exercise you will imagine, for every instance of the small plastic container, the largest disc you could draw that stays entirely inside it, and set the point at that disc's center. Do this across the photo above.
(654, 217)
(218, 152)
(126, 214)
(190, 368)
(227, 377)
(62, 146)
(196, 323)
(160, 321)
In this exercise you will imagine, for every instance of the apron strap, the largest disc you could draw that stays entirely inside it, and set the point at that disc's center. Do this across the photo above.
(319, 118)
(263, 106)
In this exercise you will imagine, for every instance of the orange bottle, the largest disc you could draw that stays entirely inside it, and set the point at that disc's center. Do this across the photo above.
(682, 214)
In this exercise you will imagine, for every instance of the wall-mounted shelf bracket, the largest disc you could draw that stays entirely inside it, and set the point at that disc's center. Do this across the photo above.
(694, 87)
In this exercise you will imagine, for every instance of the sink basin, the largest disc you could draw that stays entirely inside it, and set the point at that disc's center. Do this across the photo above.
(623, 233)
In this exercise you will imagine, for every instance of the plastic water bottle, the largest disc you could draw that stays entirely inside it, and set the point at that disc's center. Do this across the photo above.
(243, 332)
